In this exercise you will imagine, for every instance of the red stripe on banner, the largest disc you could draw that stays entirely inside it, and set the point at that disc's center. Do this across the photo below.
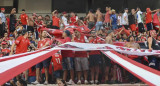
(19, 55)
(138, 64)
(135, 63)
(11, 73)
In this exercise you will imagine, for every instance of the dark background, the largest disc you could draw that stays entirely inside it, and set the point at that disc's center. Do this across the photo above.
(82, 6)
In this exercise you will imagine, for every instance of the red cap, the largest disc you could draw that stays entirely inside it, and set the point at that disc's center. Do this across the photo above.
(3, 43)
(78, 29)
(64, 12)
(2, 9)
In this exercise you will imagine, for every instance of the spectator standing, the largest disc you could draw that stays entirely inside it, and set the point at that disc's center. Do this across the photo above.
(24, 19)
(107, 17)
(12, 20)
(99, 17)
(125, 18)
(2, 22)
(91, 19)
(113, 20)
(140, 21)
(55, 20)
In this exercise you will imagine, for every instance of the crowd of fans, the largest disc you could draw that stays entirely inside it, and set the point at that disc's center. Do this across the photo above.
(20, 35)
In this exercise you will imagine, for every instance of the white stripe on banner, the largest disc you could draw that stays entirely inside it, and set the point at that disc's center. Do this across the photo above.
(145, 75)
(13, 67)
(6, 65)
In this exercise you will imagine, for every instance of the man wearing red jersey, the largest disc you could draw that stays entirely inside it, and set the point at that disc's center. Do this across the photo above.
(67, 61)
(94, 59)
(149, 19)
(44, 42)
(57, 63)
(81, 60)
(55, 20)
(24, 19)
(5, 51)
(73, 19)
(22, 43)
(156, 20)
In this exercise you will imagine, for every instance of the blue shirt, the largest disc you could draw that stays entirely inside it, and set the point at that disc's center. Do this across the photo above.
(113, 17)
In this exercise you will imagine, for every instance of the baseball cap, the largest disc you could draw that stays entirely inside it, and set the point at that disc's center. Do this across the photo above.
(2, 8)
(10, 35)
(126, 9)
(64, 12)
(67, 32)
(23, 9)
(3, 43)
(109, 31)
(113, 10)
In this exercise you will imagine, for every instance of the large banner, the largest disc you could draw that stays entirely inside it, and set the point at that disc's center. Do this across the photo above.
(11, 66)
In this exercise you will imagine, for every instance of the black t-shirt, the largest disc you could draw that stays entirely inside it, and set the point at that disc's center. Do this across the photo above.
(12, 19)
(131, 19)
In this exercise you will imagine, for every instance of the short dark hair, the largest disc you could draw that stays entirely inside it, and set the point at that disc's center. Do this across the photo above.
(91, 10)
(23, 9)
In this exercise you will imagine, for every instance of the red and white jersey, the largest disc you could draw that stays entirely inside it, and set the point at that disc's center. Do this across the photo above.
(41, 43)
(57, 61)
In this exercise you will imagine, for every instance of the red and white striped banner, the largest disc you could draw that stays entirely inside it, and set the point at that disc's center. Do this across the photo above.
(13, 65)
(146, 74)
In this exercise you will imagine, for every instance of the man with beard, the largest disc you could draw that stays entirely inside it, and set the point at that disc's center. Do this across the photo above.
(44, 42)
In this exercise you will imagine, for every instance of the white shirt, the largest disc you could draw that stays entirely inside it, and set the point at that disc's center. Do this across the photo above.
(3, 18)
(125, 22)
(65, 21)
(139, 17)
(119, 20)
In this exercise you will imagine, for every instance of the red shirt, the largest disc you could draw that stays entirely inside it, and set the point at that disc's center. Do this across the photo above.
(24, 18)
(22, 44)
(55, 21)
(73, 20)
(67, 53)
(107, 17)
(155, 18)
(6, 50)
(94, 41)
(80, 53)
(32, 72)
(57, 61)
(41, 43)
(148, 17)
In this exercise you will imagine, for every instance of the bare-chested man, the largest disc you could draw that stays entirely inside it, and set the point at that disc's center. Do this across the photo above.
(91, 19)
(133, 44)
(108, 61)
(99, 17)
(30, 24)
